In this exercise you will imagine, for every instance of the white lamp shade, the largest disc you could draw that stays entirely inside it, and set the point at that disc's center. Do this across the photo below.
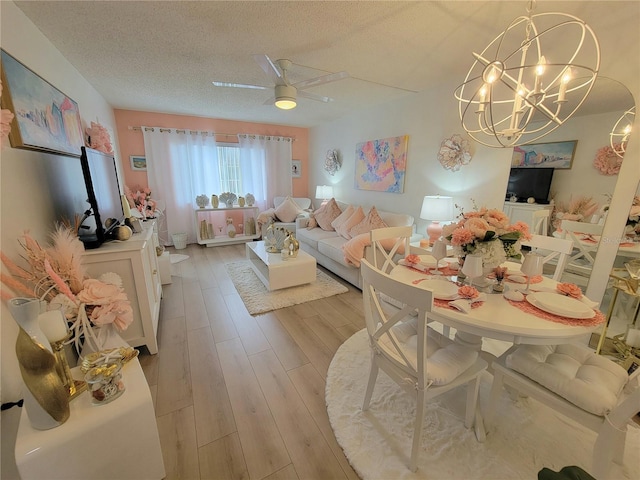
(436, 207)
(324, 192)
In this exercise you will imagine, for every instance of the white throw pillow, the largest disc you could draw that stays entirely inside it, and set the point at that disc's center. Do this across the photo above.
(356, 217)
(288, 210)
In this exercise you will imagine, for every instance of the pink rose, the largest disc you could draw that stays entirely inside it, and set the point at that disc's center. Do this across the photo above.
(523, 228)
(478, 226)
(119, 313)
(569, 289)
(95, 292)
(468, 292)
(497, 219)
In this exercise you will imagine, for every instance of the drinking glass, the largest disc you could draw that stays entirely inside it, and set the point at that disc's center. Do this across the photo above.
(438, 251)
(472, 267)
(531, 266)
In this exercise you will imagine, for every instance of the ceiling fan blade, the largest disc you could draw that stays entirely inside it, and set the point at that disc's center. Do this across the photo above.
(240, 85)
(313, 96)
(313, 82)
(268, 67)
(270, 101)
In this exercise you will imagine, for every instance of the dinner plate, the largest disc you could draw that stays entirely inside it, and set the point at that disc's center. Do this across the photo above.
(442, 289)
(560, 305)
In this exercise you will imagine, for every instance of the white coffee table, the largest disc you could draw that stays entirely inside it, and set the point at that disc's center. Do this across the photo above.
(277, 273)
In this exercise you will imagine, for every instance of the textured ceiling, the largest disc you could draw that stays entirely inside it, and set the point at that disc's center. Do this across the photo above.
(163, 55)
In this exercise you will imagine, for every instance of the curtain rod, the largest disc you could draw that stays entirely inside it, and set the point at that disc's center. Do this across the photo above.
(139, 129)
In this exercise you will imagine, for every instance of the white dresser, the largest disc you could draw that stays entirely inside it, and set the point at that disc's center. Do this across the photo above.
(523, 212)
(136, 261)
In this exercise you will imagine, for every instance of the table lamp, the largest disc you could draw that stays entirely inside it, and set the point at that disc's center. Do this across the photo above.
(437, 209)
(324, 192)
(531, 267)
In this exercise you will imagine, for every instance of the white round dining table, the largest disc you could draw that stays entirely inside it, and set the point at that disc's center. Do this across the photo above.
(498, 319)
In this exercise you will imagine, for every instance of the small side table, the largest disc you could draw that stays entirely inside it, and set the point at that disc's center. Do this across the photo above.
(116, 440)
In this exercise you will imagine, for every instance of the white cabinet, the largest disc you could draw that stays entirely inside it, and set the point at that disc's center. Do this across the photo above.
(211, 225)
(523, 212)
(136, 261)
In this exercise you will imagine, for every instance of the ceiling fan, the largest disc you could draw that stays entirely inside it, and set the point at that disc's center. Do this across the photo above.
(285, 93)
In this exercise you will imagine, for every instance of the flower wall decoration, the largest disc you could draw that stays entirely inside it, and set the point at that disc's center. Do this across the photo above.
(98, 138)
(332, 162)
(454, 152)
(607, 161)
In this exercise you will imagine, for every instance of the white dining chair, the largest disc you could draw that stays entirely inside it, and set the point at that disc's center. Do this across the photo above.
(581, 260)
(388, 245)
(577, 383)
(541, 222)
(553, 250)
(420, 360)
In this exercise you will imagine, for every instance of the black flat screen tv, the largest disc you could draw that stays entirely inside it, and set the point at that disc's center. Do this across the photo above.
(103, 192)
(530, 182)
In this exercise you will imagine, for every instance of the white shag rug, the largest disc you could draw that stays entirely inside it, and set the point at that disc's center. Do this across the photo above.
(259, 300)
(177, 257)
(527, 435)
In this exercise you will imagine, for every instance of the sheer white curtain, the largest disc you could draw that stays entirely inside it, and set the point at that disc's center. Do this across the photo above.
(180, 166)
(265, 163)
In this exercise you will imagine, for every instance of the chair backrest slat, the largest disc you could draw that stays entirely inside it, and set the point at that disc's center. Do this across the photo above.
(386, 243)
(551, 247)
(381, 317)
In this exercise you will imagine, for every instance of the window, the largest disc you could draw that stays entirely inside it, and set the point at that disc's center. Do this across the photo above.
(229, 167)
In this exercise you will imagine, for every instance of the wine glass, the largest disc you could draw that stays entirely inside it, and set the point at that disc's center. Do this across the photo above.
(472, 267)
(531, 266)
(438, 251)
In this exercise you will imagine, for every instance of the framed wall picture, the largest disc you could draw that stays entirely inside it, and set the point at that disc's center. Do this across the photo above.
(138, 163)
(544, 155)
(45, 118)
(296, 168)
(381, 164)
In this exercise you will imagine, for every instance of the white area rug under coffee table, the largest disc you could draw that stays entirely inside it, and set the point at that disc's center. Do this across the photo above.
(277, 272)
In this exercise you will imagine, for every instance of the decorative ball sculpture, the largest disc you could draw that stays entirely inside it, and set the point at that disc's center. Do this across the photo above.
(250, 199)
(202, 201)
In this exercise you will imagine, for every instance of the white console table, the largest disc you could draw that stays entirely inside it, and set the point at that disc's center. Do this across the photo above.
(136, 261)
(116, 440)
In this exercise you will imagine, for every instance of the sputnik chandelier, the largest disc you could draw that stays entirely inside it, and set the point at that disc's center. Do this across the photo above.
(529, 80)
(621, 131)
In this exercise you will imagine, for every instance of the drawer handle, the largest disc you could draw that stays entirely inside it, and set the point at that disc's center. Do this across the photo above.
(155, 271)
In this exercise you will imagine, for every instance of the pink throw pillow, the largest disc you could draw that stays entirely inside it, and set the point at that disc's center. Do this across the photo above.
(370, 222)
(354, 249)
(327, 214)
(343, 217)
(288, 210)
(346, 226)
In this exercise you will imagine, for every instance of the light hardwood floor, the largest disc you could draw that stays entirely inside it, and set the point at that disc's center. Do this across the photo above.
(242, 397)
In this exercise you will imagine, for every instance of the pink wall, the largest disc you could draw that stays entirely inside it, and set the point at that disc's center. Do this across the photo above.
(131, 141)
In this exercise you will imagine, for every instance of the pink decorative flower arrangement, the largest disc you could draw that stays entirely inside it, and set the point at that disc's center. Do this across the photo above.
(468, 292)
(141, 201)
(569, 289)
(98, 138)
(607, 161)
(5, 122)
(55, 274)
(489, 232)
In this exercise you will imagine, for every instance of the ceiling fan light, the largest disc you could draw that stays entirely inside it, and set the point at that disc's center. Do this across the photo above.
(285, 97)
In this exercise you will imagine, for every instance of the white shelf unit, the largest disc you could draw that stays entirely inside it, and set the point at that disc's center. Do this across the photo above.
(136, 261)
(217, 217)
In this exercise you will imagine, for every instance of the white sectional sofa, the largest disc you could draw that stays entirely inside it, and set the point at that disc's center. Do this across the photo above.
(327, 246)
